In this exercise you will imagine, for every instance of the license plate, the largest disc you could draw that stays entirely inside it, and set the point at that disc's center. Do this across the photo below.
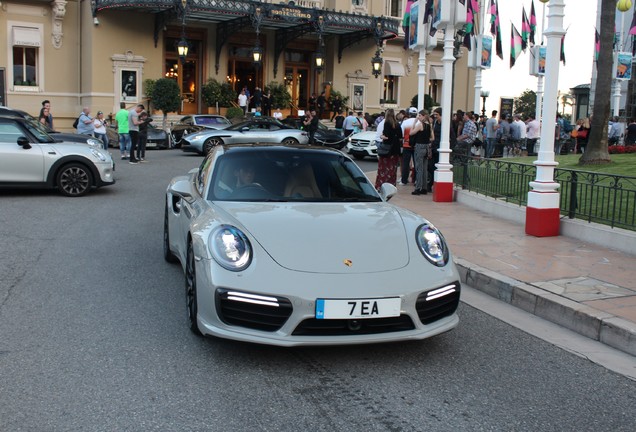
(151, 145)
(357, 308)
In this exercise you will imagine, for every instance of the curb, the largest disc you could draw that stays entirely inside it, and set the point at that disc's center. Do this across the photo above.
(601, 326)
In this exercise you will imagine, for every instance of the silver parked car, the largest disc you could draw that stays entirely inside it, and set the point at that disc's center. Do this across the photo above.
(264, 130)
(292, 245)
(31, 158)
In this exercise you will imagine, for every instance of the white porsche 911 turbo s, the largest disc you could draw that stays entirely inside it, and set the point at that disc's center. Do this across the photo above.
(292, 245)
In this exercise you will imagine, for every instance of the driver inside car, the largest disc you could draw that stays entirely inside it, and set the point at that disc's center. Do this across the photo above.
(244, 176)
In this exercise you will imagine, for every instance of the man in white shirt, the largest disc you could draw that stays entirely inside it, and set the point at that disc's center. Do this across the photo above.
(519, 135)
(242, 101)
(533, 133)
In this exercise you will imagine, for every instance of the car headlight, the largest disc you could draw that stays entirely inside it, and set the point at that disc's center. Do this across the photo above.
(432, 244)
(94, 142)
(99, 155)
(230, 248)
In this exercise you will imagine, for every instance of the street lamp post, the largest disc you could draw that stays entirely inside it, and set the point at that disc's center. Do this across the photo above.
(484, 96)
(542, 211)
(453, 16)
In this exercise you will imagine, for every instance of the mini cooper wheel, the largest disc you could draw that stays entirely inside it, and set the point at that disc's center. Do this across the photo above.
(290, 141)
(74, 180)
(210, 143)
(191, 291)
(167, 253)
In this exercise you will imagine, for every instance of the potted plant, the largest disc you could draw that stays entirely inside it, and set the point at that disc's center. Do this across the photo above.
(280, 96)
(218, 95)
(333, 95)
(149, 86)
(166, 97)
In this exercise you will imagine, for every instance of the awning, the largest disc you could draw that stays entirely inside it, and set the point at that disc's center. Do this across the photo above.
(436, 73)
(393, 68)
(27, 36)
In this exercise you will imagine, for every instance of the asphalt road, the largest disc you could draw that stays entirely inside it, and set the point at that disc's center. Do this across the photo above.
(93, 337)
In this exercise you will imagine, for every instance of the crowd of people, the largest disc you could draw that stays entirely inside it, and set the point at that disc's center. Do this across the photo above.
(132, 129)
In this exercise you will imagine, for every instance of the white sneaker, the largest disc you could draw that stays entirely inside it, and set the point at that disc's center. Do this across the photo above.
(401, 184)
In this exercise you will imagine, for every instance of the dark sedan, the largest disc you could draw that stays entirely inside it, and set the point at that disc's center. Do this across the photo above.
(323, 136)
(195, 123)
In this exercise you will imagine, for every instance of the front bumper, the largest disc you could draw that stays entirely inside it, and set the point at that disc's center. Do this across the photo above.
(290, 317)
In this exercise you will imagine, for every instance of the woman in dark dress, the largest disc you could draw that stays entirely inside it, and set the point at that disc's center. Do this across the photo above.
(390, 131)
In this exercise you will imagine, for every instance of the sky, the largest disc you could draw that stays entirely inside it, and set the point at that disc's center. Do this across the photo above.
(580, 22)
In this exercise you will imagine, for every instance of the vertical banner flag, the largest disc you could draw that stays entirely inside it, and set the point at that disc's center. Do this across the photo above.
(623, 66)
(597, 44)
(495, 27)
(515, 44)
(525, 28)
(432, 15)
(533, 23)
(414, 36)
(563, 46)
(406, 23)
(485, 48)
(470, 25)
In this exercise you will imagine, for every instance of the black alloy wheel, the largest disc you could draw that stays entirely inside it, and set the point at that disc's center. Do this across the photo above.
(210, 143)
(191, 291)
(290, 141)
(74, 180)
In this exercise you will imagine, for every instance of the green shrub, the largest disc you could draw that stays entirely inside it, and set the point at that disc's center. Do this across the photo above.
(234, 112)
(280, 96)
(214, 92)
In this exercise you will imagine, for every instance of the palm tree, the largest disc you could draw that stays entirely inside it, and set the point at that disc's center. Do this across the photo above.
(596, 149)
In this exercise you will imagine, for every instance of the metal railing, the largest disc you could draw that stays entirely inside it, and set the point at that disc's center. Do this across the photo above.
(594, 197)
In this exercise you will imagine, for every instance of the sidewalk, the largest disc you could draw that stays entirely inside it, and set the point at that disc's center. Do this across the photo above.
(583, 287)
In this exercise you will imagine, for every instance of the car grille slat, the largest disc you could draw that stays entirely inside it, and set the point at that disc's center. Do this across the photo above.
(251, 315)
(430, 310)
(345, 327)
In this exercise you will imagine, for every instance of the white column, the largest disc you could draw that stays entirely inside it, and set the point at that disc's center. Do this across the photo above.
(443, 189)
(542, 212)
(539, 100)
(476, 107)
(421, 77)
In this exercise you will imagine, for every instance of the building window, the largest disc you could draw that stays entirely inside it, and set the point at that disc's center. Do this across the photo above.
(25, 57)
(394, 8)
(390, 93)
(25, 66)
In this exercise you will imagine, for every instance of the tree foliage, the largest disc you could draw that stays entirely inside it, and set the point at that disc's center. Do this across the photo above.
(332, 97)
(429, 103)
(280, 96)
(526, 103)
(166, 97)
(596, 150)
(214, 92)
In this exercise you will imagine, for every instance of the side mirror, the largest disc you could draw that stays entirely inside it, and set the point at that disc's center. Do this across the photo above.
(181, 189)
(387, 190)
(24, 143)
(245, 129)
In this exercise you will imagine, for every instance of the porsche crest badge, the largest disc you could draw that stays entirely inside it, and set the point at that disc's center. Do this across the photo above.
(348, 262)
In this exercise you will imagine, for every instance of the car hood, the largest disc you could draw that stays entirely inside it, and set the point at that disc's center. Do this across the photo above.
(364, 136)
(326, 237)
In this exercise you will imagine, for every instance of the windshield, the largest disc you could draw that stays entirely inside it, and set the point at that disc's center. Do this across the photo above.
(275, 174)
(38, 130)
(257, 125)
(204, 121)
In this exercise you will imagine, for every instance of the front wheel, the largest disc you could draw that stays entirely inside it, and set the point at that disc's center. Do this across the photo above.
(74, 180)
(290, 141)
(210, 143)
(191, 291)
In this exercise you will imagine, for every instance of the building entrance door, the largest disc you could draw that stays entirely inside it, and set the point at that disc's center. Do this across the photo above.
(186, 72)
(297, 83)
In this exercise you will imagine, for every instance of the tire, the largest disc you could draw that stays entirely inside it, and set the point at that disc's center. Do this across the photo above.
(191, 291)
(358, 156)
(289, 141)
(167, 253)
(74, 180)
(210, 143)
